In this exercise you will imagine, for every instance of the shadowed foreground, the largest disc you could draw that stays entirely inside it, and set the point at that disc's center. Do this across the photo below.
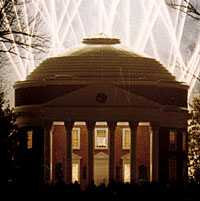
(116, 191)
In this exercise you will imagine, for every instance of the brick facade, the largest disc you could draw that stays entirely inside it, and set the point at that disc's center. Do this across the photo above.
(59, 150)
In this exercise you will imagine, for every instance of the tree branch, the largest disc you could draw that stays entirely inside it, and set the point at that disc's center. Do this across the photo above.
(15, 32)
(186, 7)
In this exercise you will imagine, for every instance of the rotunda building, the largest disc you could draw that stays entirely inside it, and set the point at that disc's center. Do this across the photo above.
(101, 113)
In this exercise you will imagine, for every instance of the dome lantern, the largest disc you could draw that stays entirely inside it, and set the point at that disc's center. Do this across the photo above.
(101, 39)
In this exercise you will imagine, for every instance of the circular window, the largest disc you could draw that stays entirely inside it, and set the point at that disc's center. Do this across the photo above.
(101, 97)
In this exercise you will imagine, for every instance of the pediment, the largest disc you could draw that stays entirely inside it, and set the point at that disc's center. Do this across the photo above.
(101, 155)
(76, 156)
(102, 96)
(126, 157)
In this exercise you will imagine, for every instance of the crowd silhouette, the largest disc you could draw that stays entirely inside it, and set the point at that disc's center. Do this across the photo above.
(23, 181)
(115, 191)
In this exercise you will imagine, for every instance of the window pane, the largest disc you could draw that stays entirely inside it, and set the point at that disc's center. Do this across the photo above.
(75, 172)
(29, 140)
(127, 176)
(126, 139)
(101, 138)
(172, 140)
(172, 137)
(76, 139)
(101, 133)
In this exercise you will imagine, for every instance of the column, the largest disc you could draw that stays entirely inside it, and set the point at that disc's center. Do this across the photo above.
(23, 138)
(180, 155)
(186, 156)
(155, 152)
(133, 127)
(47, 151)
(112, 127)
(68, 127)
(90, 163)
(26, 169)
(38, 154)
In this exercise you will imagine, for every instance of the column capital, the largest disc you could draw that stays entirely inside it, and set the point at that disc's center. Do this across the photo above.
(133, 124)
(154, 124)
(47, 124)
(69, 124)
(90, 125)
(112, 125)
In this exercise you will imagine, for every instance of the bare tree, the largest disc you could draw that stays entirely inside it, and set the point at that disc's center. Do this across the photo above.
(18, 33)
(187, 7)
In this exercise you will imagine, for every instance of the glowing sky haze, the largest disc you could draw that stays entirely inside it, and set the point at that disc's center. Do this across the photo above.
(146, 27)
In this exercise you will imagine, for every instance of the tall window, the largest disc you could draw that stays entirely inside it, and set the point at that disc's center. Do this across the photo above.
(126, 138)
(101, 138)
(172, 169)
(76, 138)
(126, 172)
(75, 171)
(29, 140)
(172, 140)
